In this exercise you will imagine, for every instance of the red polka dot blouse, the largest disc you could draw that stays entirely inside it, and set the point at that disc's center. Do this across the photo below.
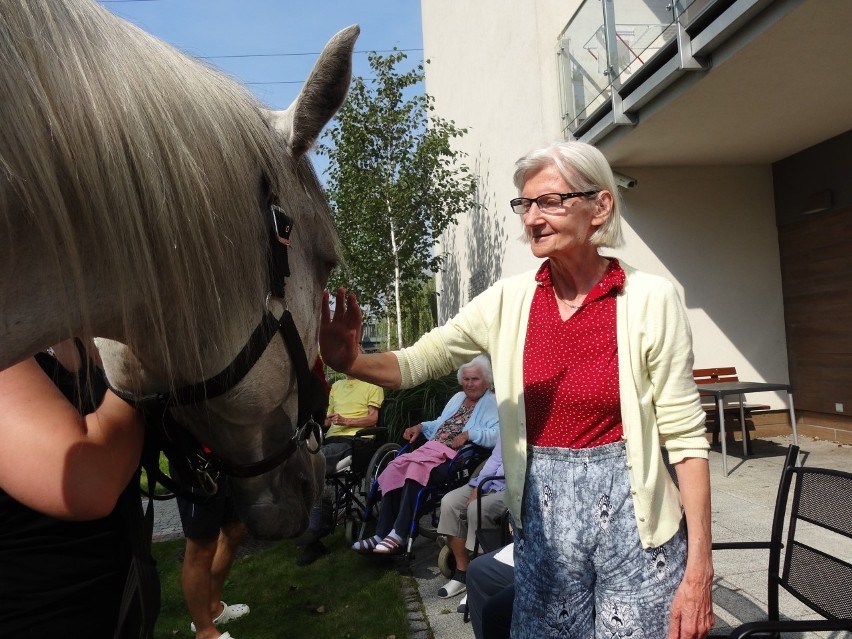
(571, 367)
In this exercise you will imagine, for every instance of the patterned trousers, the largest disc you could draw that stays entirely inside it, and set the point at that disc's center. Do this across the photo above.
(580, 568)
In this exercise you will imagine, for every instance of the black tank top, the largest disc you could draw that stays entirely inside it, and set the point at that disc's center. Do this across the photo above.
(60, 577)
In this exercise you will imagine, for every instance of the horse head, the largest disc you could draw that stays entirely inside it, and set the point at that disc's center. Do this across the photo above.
(146, 200)
(259, 418)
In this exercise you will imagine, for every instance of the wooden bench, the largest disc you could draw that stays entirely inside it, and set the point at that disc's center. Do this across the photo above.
(732, 411)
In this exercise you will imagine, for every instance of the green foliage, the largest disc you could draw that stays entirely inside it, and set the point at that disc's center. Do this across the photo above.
(341, 595)
(395, 183)
(420, 312)
(419, 316)
(404, 408)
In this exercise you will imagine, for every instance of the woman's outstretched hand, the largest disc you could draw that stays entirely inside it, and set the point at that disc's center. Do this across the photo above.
(340, 333)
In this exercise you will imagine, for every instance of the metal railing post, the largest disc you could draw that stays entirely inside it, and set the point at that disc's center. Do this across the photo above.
(611, 37)
(684, 42)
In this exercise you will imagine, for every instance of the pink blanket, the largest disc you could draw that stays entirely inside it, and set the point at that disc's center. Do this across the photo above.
(416, 465)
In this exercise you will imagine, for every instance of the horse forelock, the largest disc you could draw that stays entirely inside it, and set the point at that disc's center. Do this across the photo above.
(141, 168)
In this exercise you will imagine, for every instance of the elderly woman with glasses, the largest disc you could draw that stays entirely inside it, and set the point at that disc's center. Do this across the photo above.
(592, 365)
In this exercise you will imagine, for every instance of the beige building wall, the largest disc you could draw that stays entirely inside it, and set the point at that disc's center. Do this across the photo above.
(711, 230)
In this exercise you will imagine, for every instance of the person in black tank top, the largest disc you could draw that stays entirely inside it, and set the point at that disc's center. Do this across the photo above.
(65, 550)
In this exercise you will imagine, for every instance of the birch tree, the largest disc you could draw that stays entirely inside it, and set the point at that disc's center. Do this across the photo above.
(395, 184)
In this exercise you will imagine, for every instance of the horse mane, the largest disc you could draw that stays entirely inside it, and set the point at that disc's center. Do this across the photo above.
(114, 142)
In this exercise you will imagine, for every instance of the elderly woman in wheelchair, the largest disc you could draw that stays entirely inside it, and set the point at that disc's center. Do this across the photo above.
(470, 417)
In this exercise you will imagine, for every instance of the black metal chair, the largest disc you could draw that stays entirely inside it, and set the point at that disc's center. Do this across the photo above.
(488, 539)
(485, 539)
(821, 505)
(368, 455)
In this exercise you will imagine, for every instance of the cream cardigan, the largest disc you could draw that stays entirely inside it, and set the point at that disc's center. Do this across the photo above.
(659, 400)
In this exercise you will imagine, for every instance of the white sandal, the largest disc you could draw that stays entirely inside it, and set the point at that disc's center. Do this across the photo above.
(229, 613)
(365, 546)
(452, 588)
(389, 546)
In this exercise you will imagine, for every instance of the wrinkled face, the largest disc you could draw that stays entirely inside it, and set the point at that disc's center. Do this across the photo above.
(556, 235)
(473, 383)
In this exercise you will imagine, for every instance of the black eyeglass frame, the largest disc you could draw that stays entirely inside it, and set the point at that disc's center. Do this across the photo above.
(518, 201)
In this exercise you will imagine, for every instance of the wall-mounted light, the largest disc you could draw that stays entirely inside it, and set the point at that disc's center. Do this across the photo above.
(818, 202)
(624, 181)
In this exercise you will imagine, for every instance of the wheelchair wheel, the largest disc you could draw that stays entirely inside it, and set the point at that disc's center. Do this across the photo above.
(381, 458)
(446, 562)
(351, 529)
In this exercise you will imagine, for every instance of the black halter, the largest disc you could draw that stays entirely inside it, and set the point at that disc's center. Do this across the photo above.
(180, 445)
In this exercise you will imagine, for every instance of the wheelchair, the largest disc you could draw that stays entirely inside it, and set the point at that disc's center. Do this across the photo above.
(464, 464)
(349, 483)
(486, 539)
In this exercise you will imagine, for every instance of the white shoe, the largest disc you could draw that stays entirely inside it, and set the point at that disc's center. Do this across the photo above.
(451, 589)
(462, 608)
(229, 613)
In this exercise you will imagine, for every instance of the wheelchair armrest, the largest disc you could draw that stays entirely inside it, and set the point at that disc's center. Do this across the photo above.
(489, 478)
(405, 448)
(371, 431)
(468, 452)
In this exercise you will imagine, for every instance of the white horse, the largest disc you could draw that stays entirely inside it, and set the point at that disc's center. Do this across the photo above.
(138, 203)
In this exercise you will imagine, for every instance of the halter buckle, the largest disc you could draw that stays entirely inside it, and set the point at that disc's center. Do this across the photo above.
(304, 432)
(204, 475)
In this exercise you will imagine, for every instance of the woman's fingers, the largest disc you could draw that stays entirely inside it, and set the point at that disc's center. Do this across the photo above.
(339, 306)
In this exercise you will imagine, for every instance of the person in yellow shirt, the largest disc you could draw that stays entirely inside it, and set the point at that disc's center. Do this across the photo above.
(352, 405)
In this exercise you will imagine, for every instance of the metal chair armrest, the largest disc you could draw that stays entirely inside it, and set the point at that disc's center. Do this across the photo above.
(804, 625)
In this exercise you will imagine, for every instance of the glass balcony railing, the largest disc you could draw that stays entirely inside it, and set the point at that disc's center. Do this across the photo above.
(607, 42)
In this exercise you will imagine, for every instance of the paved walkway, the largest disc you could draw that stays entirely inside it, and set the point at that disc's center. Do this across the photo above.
(743, 504)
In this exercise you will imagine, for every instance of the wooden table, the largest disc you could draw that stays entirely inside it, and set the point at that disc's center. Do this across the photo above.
(726, 389)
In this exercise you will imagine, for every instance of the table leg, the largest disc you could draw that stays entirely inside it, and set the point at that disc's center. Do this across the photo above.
(743, 426)
(720, 411)
(792, 418)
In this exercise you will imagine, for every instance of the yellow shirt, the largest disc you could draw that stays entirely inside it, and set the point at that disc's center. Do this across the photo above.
(351, 398)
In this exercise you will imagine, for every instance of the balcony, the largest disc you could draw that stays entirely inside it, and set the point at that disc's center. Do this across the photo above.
(615, 56)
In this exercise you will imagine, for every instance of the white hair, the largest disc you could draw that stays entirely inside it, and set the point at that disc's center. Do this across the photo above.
(587, 169)
(483, 363)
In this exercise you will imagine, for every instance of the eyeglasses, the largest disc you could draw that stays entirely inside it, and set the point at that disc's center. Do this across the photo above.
(547, 203)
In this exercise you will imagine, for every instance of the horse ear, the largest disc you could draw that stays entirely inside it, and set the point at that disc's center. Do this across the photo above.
(322, 94)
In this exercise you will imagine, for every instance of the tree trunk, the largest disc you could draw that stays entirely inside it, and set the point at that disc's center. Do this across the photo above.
(395, 250)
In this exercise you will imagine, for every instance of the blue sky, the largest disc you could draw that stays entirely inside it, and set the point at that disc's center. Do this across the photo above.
(248, 28)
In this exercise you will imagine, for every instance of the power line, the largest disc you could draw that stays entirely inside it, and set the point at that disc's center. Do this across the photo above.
(274, 55)
(277, 82)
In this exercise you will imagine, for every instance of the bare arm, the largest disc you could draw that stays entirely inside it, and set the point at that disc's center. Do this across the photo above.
(368, 420)
(57, 461)
(340, 344)
(692, 607)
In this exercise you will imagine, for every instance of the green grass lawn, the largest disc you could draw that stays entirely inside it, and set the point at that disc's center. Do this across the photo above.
(342, 595)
